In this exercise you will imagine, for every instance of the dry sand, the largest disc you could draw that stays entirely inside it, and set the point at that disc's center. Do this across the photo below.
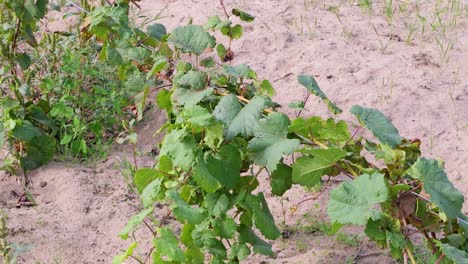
(81, 209)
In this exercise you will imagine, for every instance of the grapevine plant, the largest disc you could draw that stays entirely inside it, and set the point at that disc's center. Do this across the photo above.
(223, 130)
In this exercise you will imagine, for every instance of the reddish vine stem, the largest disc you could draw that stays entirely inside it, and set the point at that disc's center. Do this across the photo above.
(224, 8)
(440, 258)
(352, 136)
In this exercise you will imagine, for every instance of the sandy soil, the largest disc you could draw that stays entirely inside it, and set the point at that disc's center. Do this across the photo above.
(357, 59)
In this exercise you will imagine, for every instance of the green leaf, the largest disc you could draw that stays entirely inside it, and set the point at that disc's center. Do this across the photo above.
(270, 142)
(311, 85)
(208, 62)
(236, 32)
(212, 23)
(325, 131)
(267, 89)
(239, 121)
(184, 212)
(281, 179)
(157, 31)
(143, 177)
(225, 166)
(203, 177)
(2, 135)
(221, 51)
(226, 228)
(214, 135)
(353, 202)
(164, 100)
(246, 235)
(25, 131)
(436, 184)
(134, 222)
(120, 259)
(189, 97)
(39, 151)
(243, 15)
(217, 204)
(195, 80)
(167, 245)
(158, 66)
(308, 170)
(378, 124)
(152, 192)
(239, 71)
(239, 251)
(296, 105)
(455, 254)
(192, 39)
(23, 60)
(198, 116)
(180, 146)
(262, 217)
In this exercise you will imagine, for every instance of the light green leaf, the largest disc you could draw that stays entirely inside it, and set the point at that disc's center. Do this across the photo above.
(143, 177)
(267, 89)
(270, 142)
(296, 105)
(281, 179)
(167, 246)
(120, 259)
(378, 124)
(308, 170)
(198, 116)
(214, 135)
(455, 254)
(152, 192)
(311, 85)
(134, 222)
(180, 146)
(436, 184)
(192, 39)
(164, 101)
(2, 135)
(239, 121)
(236, 32)
(325, 131)
(353, 202)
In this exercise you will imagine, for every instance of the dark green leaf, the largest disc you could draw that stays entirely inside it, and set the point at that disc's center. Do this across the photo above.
(246, 235)
(156, 31)
(39, 151)
(281, 179)
(225, 166)
(26, 131)
(436, 184)
(378, 124)
(309, 82)
(243, 15)
(455, 254)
